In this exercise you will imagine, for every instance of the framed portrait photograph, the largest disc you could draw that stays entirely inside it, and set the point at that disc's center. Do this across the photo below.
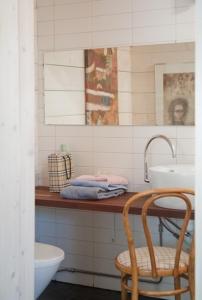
(175, 97)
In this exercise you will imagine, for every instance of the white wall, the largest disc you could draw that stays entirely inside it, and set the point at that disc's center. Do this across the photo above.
(66, 24)
(16, 151)
(70, 24)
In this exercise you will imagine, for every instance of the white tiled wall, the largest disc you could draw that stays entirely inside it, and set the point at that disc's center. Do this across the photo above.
(91, 240)
(116, 150)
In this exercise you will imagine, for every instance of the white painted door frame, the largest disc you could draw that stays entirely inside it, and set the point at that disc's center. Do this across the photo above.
(17, 149)
(198, 148)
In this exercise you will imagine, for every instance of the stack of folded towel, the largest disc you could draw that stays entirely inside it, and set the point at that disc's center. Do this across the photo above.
(95, 187)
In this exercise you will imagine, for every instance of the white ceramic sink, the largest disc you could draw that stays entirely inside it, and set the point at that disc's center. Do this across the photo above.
(178, 176)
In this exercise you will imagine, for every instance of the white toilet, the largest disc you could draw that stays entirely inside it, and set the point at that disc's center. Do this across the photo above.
(47, 261)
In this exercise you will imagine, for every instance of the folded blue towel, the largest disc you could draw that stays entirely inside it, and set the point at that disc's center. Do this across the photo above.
(102, 184)
(82, 192)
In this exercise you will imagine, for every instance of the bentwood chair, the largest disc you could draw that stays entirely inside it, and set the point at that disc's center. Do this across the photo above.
(156, 261)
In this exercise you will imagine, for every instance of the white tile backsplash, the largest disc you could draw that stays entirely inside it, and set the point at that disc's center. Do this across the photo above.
(74, 131)
(103, 220)
(78, 261)
(72, 232)
(148, 131)
(183, 3)
(72, 41)
(152, 4)
(81, 144)
(154, 35)
(103, 235)
(45, 13)
(46, 42)
(111, 38)
(185, 147)
(44, 3)
(108, 251)
(113, 131)
(82, 248)
(185, 32)
(46, 143)
(92, 239)
(154, 18)
(112, 145)
(184, 15)
(116, 160)
(73, 217)
(105, 266)
(72, 26)
(47, 228)
(105, 7)
(189, 133)
(45, 28)
(72, 10)
(82, 159)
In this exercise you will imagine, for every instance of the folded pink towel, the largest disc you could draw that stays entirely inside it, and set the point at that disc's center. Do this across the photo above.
(111, 179)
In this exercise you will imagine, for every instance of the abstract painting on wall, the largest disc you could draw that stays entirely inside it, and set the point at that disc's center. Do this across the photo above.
(101, 86)
(175, 97)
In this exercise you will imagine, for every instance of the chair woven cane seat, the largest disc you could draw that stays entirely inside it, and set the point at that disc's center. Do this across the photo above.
(164, 257)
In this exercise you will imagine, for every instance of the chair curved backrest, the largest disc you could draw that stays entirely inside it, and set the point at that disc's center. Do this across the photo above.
(151, 196)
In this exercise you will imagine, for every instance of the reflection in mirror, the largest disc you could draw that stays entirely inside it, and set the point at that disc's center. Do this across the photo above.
(64, 87)
(148, 81)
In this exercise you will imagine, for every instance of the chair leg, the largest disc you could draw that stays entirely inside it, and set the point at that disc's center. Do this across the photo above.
(192, 288)
(191, 271)
(124, 292)
(135, 294)
(177, 286)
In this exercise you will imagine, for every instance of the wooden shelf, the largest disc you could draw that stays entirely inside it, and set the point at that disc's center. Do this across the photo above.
(115, 205)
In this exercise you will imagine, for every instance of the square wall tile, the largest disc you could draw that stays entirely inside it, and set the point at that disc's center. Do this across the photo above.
(105, 7)
(45, 13)
(45, 28)
(73, 41)
(185, 32)
(103, 220)
(75, 143)
(109, 22)
(79, 233)
(73, 217)
(46, 42)
(152, 35)
(116, 160)
(154, 18)
(185, 14)
(72, 10)
(112, 131)
(73, 26)
(111, 38)
(112, 145)
(44, 3)
(152, 4)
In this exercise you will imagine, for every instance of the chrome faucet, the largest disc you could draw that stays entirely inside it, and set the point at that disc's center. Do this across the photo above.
(161, 136)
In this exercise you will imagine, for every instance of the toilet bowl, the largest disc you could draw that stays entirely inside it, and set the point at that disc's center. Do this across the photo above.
(47, 261)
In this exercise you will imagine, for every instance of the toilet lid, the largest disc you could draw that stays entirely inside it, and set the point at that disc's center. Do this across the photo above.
(47, 254)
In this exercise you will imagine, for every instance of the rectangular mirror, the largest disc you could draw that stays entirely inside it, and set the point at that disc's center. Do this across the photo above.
(136, 85)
